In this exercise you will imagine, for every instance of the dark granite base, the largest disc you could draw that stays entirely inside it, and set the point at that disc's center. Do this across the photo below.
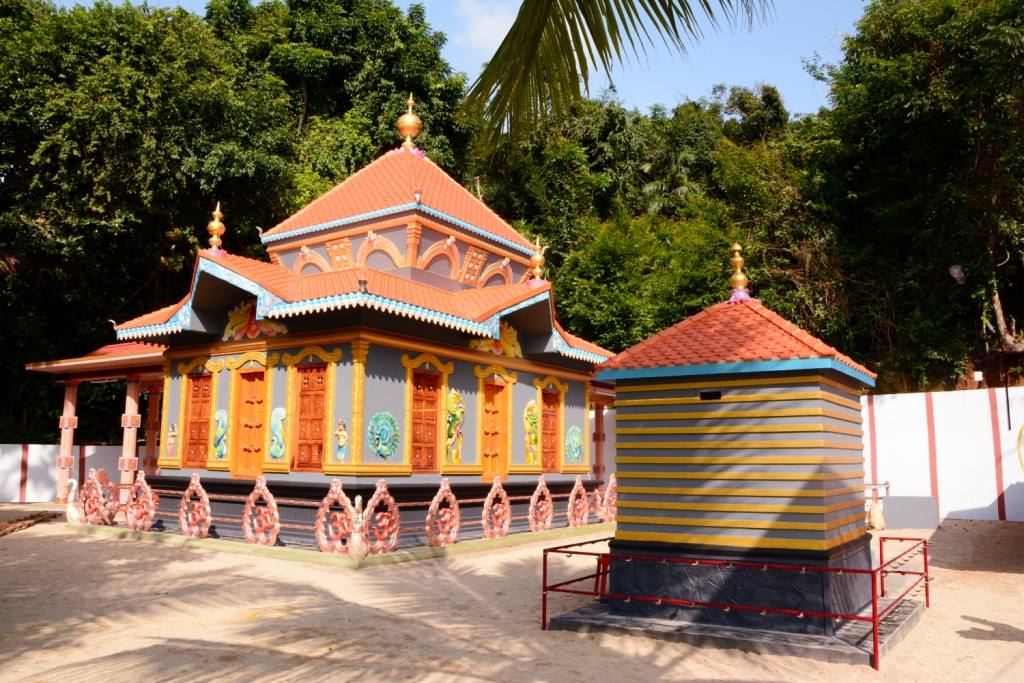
(809, 591)
(851, 642)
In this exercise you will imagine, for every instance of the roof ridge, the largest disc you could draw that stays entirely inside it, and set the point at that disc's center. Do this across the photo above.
(788, 327)
(474, 198)
(275, 230)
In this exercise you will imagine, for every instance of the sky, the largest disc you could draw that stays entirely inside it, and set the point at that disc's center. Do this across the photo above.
(771, 52)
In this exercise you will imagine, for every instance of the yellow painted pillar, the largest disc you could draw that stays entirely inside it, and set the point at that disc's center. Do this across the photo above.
(152, 429)
(360, 350)
(67, 423)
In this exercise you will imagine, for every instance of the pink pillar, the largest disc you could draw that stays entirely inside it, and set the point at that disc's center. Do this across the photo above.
(130, 423)
(152, 429)
(67, 423)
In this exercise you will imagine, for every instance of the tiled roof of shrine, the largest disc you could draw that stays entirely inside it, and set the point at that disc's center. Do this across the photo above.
(282, 293)
(402, 180)
(729, 332)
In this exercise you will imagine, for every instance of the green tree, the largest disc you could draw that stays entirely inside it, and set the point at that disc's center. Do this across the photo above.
(552, 46)
(922, 165)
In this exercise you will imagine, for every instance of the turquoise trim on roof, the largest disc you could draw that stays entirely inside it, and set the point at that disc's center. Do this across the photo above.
(354, 299)
(739, 368)
(390, 211)
(564, 348)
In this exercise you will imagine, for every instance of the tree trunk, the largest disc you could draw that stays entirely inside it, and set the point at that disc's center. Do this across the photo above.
(305, 106)
(1009, 341)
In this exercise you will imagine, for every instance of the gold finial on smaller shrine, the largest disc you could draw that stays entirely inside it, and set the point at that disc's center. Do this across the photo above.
(216, 229)
(738, 280)
(537, 260)
(409, 125)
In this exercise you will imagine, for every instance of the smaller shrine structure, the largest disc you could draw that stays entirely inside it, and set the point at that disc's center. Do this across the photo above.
(739, 438)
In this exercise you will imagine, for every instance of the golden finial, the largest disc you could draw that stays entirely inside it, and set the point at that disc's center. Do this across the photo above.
(738, 280)
(537, 260)
(409, 125)
(216, 229)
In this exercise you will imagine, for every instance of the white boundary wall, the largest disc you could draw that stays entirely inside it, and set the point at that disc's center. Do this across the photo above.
(28, 472)
(962, 449)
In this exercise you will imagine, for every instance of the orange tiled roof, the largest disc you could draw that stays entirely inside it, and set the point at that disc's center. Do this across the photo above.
(728, 332)
(300, 294)
(160, 315)
(390, 181)
(125, 348)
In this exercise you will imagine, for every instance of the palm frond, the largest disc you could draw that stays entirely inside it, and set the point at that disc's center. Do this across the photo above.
(544, 63)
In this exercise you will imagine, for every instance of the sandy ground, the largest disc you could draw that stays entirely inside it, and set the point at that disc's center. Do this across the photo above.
(86, 608)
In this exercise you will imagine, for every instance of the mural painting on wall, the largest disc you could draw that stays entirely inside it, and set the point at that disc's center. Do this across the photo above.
(507, 343)
(574, 446)
(382, 435)
(220, 434)
(531, 427)
(172, 437)
(277, 433)
(242, 324)
(453, 435)
(341, 445)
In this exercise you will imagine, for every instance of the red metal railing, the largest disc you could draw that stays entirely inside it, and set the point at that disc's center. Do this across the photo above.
(599, 591)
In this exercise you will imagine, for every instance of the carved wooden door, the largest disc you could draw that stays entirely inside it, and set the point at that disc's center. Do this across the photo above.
(425, 404)
(251, 416)
(549, 431)
(198, 431)
(309, 448)
(495, 426)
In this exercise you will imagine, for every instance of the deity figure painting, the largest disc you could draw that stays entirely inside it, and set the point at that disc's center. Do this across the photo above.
(453, 435)
(531, 427)
(341, 442)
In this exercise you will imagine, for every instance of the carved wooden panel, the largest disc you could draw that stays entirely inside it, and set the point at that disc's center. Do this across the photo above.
(312, 382)
(549, 431)
(197, 433)
(425, 405)
(475, 259)
(340, 253)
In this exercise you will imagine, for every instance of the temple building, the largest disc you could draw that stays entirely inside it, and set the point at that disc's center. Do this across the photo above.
(400, 329)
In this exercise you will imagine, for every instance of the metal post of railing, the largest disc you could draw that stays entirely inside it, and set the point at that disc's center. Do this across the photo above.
(927, 579)
(544, 595)
(881, 561)
(874, 619)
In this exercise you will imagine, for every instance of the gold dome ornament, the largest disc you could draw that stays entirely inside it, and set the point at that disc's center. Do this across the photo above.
(216, 229)
(537, 260)
(409, 125)
(738, 280)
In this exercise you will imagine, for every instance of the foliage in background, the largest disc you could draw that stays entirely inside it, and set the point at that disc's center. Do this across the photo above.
(889, 224)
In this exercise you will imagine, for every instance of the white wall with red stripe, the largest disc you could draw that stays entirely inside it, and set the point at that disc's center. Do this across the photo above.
(962, 448)
(28, 472)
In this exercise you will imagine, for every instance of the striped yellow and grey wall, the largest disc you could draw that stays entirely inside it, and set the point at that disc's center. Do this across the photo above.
(748, 462)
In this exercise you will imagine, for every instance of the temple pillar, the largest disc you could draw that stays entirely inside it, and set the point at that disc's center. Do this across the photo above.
(128, 463)
(67, 423)
(413, 233)
(598, 437)
(152, 429)
(360, 350)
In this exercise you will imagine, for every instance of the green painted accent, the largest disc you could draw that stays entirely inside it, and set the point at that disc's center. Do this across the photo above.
(314, 556)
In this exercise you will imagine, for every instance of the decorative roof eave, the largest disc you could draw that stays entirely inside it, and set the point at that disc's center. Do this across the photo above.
(283, 309)
(182, 319)
(564, 348)
(267, 238)
(741, 367)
